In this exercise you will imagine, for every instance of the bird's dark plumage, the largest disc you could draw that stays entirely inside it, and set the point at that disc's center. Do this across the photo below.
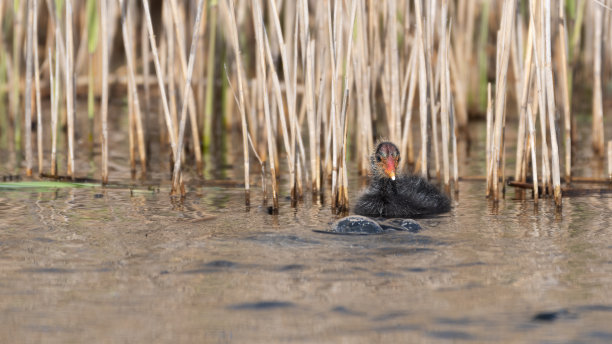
(402, 196)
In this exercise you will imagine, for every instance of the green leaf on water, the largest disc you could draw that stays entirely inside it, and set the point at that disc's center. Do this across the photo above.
(44, 185)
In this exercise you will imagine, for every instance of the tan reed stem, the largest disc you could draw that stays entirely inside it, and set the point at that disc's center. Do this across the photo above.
(407, 129)
(136, 120)
(521, 161)
(289, 89)
(104, 100)
(15, 74)
(39, 122)
(500, 89)
(343, 201)
(430, 15)
(70, 88)
(422, 87)
(210, 76)
(171, 67)
(160, 77)
(176, 180)
(610, 160)
(539, 52)
(310, 110)
(567, 106)
(258, 24)
(598, 128)
(54, 106)
(241, 106)
(444, 96)
(279, 103)
(489, 143)
(395, 125)
(550, 96)
(28, 89)
(191, 100)
(532, 146)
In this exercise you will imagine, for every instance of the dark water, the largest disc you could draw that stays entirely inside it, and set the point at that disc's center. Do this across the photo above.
(119, 265)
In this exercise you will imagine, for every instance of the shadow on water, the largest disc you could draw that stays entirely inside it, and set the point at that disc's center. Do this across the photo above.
(261, 306)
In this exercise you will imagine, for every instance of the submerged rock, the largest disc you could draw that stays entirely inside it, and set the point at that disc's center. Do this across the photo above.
(362, 225)
(401, 225)
(356, 224)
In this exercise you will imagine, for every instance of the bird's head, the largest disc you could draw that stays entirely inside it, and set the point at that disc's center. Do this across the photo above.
(385, 160)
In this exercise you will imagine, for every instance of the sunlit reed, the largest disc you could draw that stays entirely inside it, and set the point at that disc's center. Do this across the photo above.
(315, 84)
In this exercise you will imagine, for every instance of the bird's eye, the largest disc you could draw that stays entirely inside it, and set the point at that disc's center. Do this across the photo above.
(398, 159)
(378, 158)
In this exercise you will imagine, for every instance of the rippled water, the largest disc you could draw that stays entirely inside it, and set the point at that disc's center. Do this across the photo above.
(86, 265)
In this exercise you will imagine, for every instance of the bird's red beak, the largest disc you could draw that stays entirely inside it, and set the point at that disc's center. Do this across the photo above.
(390, 168)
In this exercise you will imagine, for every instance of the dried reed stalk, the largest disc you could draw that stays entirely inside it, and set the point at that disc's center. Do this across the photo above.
(176, 179)
(289, 93)
(342, 203)
(70, 88)
(506, 32)
(532, 144)
(453, 122)
(104, 100)
(430, 15)
(407, 145)
(444, 97)
(28, 89)
(610, 160)
(61, 46)
(321, 108)
(422, 87)
(136, 119)
(39, 122)
(160, 77)
(335, 37)
(564, 81)
(54, 106)
(310, 110)
(488, 145)
(15, 72)
(146, 72)
(171, 67)
(598, 126)
(550, 96)
(541, 99)
(241, 106)
(279, 103)
(521, 161)
(191, 100)
(258, 24)
(210, 70)
(392, 50)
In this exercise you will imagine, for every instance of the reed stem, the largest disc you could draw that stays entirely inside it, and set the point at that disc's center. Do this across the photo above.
(104, 101)
(176, 180)
(28, 89)
(70, 88)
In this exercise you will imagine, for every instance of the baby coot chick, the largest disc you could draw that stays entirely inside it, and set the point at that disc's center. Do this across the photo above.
(397, 195)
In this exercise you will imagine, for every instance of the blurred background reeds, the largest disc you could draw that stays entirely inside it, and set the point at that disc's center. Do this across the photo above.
(307, 87)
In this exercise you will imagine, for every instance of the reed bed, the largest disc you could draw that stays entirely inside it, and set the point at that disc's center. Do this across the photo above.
(315, 85)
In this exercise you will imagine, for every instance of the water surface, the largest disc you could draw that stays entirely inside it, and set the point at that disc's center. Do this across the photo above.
(94, 264)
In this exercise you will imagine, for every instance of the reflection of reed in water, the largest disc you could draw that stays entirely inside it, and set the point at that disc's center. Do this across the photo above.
(340, 74)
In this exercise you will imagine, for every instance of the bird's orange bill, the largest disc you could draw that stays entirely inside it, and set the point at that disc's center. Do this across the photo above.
(390, 168)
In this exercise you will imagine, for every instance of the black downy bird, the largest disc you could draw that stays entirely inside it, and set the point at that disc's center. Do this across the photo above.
(397, 195)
